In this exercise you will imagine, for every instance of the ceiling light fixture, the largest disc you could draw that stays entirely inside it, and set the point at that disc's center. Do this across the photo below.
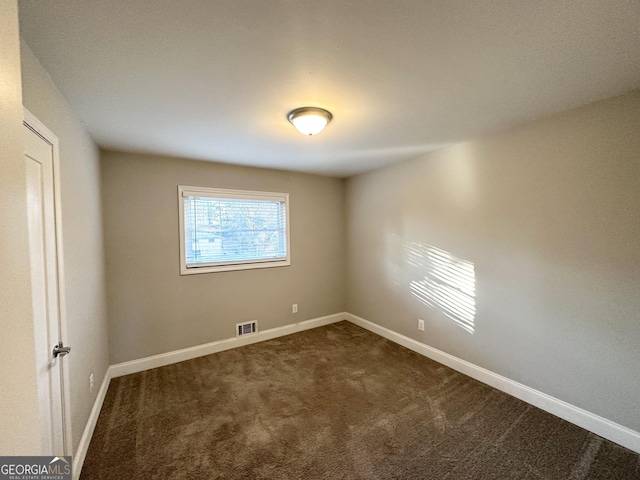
(309, 120)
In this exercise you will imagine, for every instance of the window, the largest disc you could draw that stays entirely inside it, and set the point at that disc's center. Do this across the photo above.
(223, 230)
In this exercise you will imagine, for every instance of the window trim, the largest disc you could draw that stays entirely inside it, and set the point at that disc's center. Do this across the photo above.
(186, 191)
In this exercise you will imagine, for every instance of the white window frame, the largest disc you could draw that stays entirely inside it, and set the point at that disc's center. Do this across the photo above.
(187, 191)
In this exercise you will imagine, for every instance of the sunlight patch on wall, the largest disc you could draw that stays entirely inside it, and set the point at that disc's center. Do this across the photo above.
(449, 283)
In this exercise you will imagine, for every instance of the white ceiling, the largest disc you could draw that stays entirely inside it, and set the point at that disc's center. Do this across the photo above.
(215, 79)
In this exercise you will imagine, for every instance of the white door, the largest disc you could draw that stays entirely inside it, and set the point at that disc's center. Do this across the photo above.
(43, 249)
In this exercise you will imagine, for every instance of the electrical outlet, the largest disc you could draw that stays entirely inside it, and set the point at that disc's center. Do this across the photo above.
(91, 383)
(420, 324)
(294, 308)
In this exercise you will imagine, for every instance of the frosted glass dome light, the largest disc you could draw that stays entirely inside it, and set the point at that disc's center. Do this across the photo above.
(310, 120)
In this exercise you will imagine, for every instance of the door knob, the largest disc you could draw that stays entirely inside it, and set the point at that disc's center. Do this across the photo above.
(61, 350)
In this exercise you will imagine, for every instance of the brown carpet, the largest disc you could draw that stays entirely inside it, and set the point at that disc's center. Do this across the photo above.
(335, 402)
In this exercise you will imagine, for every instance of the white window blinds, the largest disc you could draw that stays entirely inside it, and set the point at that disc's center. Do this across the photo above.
(230, 227)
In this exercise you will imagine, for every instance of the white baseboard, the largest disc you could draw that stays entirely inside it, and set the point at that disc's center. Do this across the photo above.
(594, 423)
(176, 356)
(83, 446)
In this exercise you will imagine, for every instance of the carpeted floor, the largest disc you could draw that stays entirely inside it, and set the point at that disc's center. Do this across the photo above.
(336, 402)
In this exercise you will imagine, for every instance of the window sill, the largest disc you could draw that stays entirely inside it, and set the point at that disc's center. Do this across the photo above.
(233, 267)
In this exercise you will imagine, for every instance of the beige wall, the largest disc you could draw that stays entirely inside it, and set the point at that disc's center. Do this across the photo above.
(549, 216)
(82, 238)
(19, 433)
(152, 309)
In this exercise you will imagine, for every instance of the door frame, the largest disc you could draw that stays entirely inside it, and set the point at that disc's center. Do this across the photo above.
(30, 121)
